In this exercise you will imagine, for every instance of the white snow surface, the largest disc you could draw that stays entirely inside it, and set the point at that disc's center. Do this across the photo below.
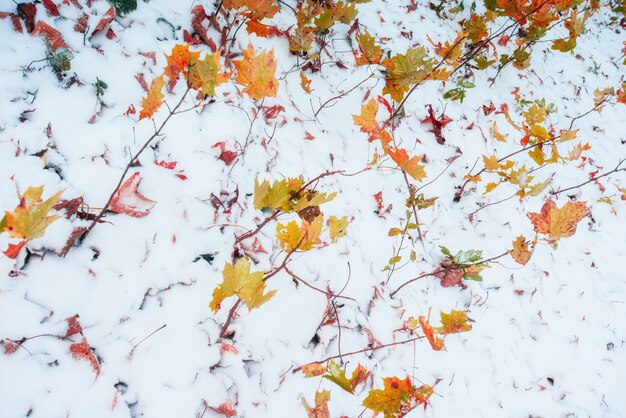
(548, 338)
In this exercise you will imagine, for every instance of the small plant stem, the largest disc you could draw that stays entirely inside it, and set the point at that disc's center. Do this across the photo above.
(132, 351)
(364, 350)
(441, 269)
(339, 96)
(134, 158)
(608, 173)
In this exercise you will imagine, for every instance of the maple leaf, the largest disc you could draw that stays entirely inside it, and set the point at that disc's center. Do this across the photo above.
(367, 120)
(411, 165)
(320, 410)
(153, 101)
(338, 376)
(405, 70)
(30, 218)
(491, 163)
(256, 72)
(277, 195)
(239, 281)
(303, 237)
(370, 53)
(82, 351)
(73, 326)
(53, 37)
(453, 322)
(337, 227)
(313, 369)
(520, 252)
(558, 223)
(178, 63)
(204, 74)
(129, 201)
(398, 397)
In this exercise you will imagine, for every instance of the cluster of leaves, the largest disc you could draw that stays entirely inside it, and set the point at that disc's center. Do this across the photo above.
(398, 396)
(314, 20)
(369, 124)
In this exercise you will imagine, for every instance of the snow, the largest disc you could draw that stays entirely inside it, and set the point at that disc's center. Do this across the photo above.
(548, 338)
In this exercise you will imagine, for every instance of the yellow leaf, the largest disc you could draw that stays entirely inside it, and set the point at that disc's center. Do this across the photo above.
(535, 115)
(337, 227)
(301, 237)
(30, 218)
(496, 134)
(153, 101)
(453, 322)
(473, 179)
(370, 53)
(577, 151)
(277, 195)
(567, 135)
(239, 281)
(405, 70)
(491, 163)
(398, 397)
(537, 155)
(490, 187)
(338, 376)
(256, 72)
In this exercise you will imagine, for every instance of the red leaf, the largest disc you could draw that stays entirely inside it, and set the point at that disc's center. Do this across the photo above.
(27, 11)
(169, 165)
(111, 34)
(82, 23)
(190, 39)
(9, 346)
(106, 19)
(129, 201)
(14, 249)
(77, 232)
(199, 16)
(73, 326)
(438, 124)
(17, 25)
(308, 136)
(378, 197)
(82, 351)
(227, 408)
(271, 112)
(273, 31)
(226, 156)
(151, 55)
(450, 278)
(142, 81)
(50, 34)
(70, 206)
(51, 8)
(254, 248)
(489, 109)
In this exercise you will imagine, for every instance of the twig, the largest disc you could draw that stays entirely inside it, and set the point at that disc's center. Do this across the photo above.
(134, 158)
(364, 350)
(615, 170)
(307, 284)
(130, 354)
(339, 96)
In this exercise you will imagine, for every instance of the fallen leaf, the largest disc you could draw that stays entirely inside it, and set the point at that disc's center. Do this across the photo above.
(520, 252)
(398, 397)
(14, 249)
(30, 218)
(256, 72)
(204, 74)
(320, 410)
(435, 342)
(338, 376)
(437, 123)
(558, 223)
(73, 326)
(153, 101)
(129, 201)
(238, 280)
(313, 369)
(82, 351)
(453, 322)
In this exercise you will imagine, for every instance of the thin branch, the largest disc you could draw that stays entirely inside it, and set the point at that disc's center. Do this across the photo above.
(339, 96)
(608, 173)
(309, 285)
(364, 350)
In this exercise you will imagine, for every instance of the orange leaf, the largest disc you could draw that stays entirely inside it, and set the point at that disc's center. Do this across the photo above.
(177, 63)
(14, 249)
(257, 73)
(558, 223)
(435, 342)
(520, 252)
(204, 73)
(411, 165)
(305, 83)
(129, 201)
(367, 119)
(313, 369)
(320, 410)
(82, 351)
(153, 101)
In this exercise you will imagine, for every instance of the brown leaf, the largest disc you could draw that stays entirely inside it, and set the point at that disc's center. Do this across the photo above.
(27, 11)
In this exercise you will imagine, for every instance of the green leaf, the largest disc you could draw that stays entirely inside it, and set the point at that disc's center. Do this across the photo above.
(124, 6)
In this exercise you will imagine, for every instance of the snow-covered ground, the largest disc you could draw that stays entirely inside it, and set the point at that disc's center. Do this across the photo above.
(548, 337)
